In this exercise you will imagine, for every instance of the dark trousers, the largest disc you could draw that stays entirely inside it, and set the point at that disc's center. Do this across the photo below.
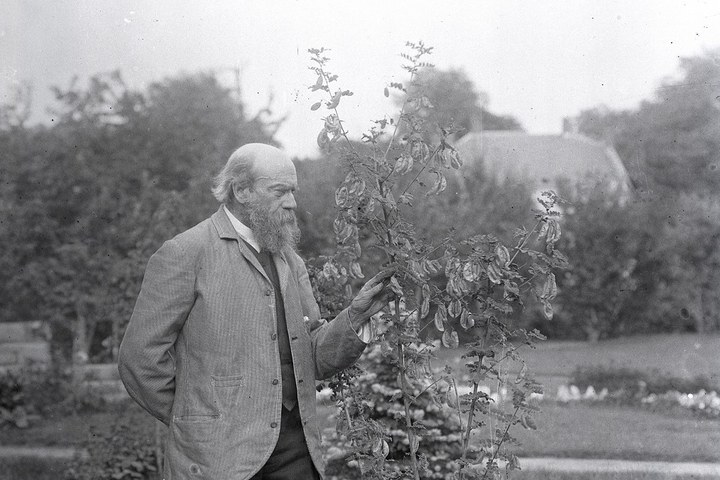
(291, 459)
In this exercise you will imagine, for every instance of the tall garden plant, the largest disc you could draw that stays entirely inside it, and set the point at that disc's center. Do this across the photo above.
(409, 419)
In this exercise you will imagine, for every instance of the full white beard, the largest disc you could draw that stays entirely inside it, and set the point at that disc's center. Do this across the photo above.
(273, 233)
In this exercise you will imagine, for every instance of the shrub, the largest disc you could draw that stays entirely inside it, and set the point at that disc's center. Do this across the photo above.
(12, 401)
(125, 451)
(447, 286)
(637, 383)
(39, 391)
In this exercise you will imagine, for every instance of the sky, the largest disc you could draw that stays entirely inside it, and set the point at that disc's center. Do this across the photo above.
(539, 61)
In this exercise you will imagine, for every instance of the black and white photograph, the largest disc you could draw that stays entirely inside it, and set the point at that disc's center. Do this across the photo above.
(316, 240)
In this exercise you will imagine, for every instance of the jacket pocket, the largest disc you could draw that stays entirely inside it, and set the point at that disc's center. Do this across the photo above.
(190, 429)
(229, 391)
(228, 380)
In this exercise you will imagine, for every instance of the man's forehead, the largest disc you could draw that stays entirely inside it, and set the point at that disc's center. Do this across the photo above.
(279, 181)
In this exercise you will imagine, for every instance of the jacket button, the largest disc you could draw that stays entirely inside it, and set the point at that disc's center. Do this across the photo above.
(268, 292)
(273, 336)
(275, 382)
(300, 381)
(293, 338)
(273, 425)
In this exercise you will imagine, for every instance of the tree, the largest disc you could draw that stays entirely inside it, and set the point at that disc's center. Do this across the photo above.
(91, 197)
(453, 102)
(672, 143)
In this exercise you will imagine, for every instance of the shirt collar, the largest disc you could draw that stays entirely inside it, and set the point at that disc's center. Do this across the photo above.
(242, 229)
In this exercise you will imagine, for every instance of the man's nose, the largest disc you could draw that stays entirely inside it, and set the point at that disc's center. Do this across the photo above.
(289, 202)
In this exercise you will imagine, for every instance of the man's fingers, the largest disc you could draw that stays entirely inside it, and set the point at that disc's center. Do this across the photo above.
(382, 275)
(374, 290)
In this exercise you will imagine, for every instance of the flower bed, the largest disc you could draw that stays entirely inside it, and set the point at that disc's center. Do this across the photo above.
(706, 404)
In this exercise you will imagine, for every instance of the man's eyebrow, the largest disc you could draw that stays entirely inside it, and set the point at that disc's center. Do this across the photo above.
(286, 185)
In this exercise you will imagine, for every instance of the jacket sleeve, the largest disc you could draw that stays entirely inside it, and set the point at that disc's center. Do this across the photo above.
(335, 344)
(145, 361)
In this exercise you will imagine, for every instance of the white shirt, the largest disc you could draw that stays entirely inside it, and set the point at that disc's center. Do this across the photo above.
(367, 331)
(242, 229)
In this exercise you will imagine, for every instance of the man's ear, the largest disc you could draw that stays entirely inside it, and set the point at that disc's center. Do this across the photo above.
(242, 195)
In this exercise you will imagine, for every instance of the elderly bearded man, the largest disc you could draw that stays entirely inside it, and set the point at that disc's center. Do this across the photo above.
(226, 339)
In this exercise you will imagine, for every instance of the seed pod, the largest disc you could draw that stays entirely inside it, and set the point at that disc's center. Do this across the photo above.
(455, 160)
(450, 339)
(414, 443)
(418, 150)
(439, 321)
(452, 398)
(548, 310)
(493, 273)
(341, 196)
(550, 287)
(439, 185)
(466, 321)
(425, 305)
(502, 254)
(356, 270)
(335, 101)
(322, 139)
(332, 123)
(455, 308)
(471, 271)
(404, 164)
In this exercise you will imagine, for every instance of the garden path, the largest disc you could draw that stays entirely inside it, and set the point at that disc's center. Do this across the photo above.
(527, 464)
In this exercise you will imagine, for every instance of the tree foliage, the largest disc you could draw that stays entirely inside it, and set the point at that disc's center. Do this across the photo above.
(86, 200)
(671, 147)
(453, 103)
(670, 143)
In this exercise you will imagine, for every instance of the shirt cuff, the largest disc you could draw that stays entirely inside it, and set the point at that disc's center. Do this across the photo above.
(367, 331)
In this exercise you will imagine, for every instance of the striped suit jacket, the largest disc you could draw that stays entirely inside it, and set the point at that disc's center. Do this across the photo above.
(201, 352)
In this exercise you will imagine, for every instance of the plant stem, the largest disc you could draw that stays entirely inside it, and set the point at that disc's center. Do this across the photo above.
(471, 414)
(406, 402)
(497, 450)
(524, 241)
(454, 384)
(345, 407)
(430, 157)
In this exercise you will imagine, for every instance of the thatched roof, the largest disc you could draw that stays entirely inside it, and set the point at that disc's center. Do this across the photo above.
(542, 161)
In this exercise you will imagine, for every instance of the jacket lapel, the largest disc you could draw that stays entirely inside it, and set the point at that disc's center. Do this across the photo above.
(283, 270)
(227, 231)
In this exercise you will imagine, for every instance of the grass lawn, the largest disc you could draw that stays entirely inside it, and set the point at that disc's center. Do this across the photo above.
(571, 431)
(607, 431)
(680, 355)
(546, 475)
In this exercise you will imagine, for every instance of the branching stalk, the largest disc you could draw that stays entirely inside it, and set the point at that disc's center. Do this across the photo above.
(497, 450)
(406, 402)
